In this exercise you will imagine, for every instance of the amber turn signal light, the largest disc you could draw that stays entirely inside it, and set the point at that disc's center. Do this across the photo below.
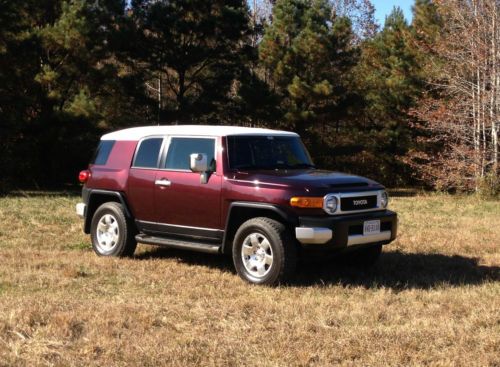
(306, 202)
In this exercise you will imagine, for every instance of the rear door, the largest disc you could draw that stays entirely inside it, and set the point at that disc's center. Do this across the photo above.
(141, 181)
(183, 204)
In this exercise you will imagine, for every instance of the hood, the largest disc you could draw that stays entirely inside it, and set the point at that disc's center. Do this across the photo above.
(309, 179)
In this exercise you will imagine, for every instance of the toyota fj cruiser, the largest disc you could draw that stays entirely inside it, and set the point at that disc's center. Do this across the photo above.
(253, 193)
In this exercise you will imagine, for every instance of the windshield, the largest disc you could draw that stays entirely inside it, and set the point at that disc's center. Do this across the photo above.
(267, 152)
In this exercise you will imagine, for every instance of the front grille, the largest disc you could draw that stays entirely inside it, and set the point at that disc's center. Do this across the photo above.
(358, 203)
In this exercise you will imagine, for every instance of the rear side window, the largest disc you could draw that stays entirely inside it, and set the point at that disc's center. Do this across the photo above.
(102, 153)
(148, 152)
(180, 149)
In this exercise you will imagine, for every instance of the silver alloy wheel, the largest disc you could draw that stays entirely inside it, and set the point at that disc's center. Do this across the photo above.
(107, 233)
(257, 255)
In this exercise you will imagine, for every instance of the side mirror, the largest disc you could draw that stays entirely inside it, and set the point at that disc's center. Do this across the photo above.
(198, 162)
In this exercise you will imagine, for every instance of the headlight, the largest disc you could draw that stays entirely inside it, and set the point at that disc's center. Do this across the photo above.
(384, 199)
(330, 204)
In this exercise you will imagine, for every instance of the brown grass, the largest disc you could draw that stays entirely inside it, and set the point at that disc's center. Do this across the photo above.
(433, 299)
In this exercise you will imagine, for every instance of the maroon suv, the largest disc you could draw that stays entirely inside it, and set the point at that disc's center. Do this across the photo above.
(253, 193)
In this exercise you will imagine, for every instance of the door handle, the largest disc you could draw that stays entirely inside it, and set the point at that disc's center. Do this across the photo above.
(163, 182)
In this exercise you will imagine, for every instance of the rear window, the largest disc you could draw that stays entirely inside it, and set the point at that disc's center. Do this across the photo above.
(148, 152)
(102, 153)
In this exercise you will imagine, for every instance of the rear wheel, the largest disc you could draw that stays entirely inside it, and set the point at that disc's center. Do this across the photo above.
(111, 232)
(264, 252)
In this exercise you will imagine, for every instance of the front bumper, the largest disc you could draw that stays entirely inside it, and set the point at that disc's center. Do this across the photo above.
(346, 230)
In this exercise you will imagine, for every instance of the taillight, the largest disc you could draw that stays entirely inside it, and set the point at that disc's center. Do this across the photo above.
(84, 176)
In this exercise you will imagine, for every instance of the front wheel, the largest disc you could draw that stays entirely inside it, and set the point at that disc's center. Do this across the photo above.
(264, 252)
(111, 232)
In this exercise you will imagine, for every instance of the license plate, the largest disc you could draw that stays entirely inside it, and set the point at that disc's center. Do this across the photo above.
(371, 227)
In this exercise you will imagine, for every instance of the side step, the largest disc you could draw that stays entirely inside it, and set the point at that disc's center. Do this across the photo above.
(209, 247)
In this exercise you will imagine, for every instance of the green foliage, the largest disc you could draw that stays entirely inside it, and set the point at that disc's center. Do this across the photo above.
(308, 55)
(426, 22)
(72, 69)
(389, 77)
(196, 47)
(82, 105)
(57, 69)
(254, 101)
(392, 77)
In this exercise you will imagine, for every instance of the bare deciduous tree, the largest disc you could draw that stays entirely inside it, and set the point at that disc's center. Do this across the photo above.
(463, 114)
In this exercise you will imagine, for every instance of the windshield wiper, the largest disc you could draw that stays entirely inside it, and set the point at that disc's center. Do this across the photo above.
(275, 166)
(301, 165)
(247, 166)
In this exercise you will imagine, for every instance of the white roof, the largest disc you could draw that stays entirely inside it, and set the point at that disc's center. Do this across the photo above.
(137, 133)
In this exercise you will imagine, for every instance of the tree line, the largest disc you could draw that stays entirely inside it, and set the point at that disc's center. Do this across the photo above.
(409, 103)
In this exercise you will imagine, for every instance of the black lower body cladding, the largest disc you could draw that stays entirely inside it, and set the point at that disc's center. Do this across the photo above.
(344, 226)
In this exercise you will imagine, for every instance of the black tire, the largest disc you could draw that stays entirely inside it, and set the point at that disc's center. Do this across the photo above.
(365, 257)
(120, 231)
(280, 246)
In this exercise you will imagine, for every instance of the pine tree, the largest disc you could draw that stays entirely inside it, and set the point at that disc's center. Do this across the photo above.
(193, 50)
(17, 64)
(426, 22)
(390, 76)
(58, 70)
(308, 56)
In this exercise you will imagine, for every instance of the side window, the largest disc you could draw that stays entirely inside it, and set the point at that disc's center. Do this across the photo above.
(102, 153)
(148, 152)
(181, 148)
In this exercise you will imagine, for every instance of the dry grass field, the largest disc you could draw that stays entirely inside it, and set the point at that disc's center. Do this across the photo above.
(433, 299)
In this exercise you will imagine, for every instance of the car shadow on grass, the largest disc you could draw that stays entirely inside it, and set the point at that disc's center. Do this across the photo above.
(214, 261)
(396, 270)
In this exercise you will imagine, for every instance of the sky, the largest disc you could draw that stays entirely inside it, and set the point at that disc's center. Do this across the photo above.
(384, 7)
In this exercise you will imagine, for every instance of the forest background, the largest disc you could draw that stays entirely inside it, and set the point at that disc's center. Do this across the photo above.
(407, 103)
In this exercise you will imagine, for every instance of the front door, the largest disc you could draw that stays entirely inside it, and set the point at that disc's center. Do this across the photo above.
(184, 206)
